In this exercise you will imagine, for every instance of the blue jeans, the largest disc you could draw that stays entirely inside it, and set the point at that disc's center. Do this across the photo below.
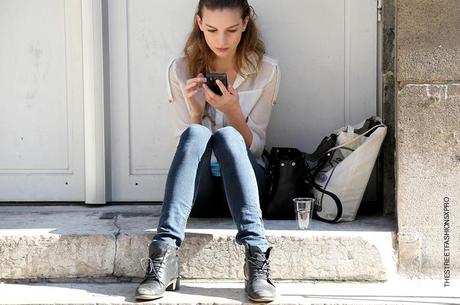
(243, 180)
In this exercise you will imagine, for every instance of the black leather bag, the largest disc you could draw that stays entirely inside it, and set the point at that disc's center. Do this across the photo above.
(292, 174)
(287, 170)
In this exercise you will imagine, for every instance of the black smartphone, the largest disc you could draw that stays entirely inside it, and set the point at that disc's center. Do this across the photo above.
(211, 81)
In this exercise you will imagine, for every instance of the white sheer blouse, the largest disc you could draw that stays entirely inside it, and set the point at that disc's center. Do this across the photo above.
(257, 94)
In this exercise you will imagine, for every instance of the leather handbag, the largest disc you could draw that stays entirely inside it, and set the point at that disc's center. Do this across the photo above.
(292, 173)
(287, 171)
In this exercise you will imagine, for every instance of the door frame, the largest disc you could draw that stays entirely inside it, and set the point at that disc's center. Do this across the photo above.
(93, 101)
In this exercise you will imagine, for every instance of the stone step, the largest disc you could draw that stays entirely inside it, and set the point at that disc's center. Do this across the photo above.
(65, 242)
(217, 292)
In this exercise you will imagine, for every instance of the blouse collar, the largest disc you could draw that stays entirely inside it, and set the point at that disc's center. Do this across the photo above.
(246, 69)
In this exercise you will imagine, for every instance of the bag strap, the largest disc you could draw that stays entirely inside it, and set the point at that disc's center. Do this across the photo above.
(326, 143)
(358, 137)
(336, 199)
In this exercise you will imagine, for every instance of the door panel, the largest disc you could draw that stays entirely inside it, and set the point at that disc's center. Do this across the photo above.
(41, 108)
(142, 146)
(328, 65)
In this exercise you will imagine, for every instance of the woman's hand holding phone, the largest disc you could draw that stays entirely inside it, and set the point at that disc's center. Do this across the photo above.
(195, 97)
(228, 103)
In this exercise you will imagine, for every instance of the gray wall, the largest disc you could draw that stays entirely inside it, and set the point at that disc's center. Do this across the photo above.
(428, 135)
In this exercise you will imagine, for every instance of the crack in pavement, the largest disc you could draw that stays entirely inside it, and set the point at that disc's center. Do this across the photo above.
(116, 234)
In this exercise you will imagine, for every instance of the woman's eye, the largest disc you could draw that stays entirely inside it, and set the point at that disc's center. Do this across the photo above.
(212, 31)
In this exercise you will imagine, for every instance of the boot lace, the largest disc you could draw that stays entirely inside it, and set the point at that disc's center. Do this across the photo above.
(261, 268)
(152, 267)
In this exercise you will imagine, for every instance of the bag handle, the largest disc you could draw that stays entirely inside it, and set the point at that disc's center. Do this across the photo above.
(311, 181)
(358, 137)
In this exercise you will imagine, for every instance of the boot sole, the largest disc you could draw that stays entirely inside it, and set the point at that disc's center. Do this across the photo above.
(148, 297)
(266, 299)
(172, 286)
(260, 299)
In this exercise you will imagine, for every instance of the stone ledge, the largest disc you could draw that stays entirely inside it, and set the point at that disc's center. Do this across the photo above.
(109, 241)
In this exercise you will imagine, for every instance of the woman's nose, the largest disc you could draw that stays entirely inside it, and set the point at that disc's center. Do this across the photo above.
(222, 40)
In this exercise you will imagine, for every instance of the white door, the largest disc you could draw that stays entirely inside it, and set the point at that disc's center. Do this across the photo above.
(328, 55)
(327, 51)
(41, 105)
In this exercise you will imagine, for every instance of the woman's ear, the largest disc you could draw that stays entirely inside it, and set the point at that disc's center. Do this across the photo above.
(245, 23)
(199, 22)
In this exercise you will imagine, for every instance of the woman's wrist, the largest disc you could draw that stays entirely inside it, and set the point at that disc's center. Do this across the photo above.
(196, 118)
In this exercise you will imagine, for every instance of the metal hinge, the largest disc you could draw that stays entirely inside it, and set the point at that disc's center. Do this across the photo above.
(379, 10)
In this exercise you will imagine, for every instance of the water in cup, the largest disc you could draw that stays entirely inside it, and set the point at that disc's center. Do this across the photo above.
(303, 219)
(303, 211)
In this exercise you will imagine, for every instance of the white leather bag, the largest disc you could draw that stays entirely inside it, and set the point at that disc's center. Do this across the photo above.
(346, 172)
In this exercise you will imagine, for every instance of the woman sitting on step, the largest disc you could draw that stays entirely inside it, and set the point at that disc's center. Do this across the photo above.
(217, 169)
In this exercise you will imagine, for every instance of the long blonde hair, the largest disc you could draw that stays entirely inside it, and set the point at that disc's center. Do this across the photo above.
(200, 57)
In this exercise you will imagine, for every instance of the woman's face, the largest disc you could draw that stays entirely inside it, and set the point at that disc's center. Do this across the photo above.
(222, 30)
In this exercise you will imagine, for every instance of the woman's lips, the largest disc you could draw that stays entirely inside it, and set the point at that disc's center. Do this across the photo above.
(222, 50)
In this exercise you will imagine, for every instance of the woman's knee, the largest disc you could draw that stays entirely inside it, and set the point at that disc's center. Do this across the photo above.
(197, 131)
(195, 135)
(227, 135)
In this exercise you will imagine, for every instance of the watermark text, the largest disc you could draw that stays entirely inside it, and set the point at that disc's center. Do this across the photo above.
(446, 241)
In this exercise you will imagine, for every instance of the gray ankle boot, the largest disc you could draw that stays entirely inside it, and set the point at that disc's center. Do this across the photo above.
(162, 272)
(258, 283)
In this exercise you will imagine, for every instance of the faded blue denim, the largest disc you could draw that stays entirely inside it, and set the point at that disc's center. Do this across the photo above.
(243, 179)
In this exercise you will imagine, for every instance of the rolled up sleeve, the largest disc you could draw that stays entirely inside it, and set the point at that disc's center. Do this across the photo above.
(260, 115)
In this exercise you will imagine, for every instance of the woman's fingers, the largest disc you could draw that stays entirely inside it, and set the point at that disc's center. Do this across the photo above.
(231, 89)
(191, 94)
(222, 87)
(194, 82)
(191, 86)
(210, 96)
(198, 80)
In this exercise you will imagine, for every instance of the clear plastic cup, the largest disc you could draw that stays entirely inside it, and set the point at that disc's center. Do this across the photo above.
(303, 211)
